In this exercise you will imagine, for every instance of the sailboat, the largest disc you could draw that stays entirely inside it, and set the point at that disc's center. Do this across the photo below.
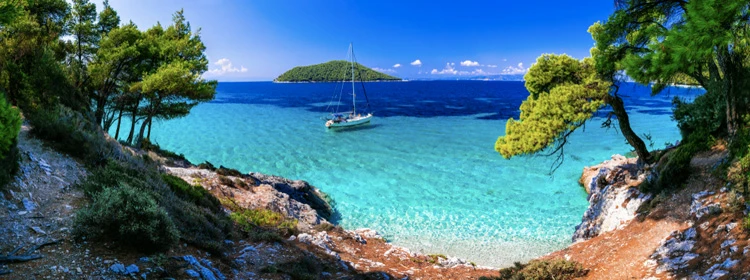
(352, 118)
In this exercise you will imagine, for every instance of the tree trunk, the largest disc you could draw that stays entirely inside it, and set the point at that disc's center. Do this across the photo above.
(133, 120)
(148, 135)
(139, 141)
(618, 108)
(117, 130)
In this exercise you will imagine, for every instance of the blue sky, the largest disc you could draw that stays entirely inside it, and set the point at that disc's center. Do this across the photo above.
(258, 40)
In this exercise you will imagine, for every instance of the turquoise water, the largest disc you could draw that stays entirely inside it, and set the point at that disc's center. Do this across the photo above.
(429, 182)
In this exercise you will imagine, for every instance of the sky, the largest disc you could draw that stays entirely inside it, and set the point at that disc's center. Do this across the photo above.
(258, 40)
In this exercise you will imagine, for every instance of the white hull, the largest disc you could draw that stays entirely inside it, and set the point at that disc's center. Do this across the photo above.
(349, 122)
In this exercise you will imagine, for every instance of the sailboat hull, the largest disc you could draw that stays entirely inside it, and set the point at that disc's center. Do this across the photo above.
(349, 121)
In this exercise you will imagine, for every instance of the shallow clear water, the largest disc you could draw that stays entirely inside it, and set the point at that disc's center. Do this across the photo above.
(424, 173)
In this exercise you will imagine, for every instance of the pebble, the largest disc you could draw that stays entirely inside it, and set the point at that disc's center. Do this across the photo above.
(118, 268)
(132, 269)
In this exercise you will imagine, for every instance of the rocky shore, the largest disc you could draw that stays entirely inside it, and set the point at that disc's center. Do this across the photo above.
(38, 212)
(686, 234)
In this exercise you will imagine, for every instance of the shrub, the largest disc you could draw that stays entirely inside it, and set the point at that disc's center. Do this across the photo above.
(195, 194)
(200, 222)
(228, 171)
(706, 114)
(207, 165)
(252, 219)
(673, 168)
(434, 258)
(148, 146)
(542, 270)
(129, 216)
(72, 133)
(10, 126)
(226, 181)
(248, 219)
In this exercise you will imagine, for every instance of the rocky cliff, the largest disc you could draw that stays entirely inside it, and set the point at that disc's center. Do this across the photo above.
(613, 197)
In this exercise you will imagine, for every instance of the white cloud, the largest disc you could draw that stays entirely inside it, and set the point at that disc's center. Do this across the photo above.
(505, 59)
(491, 66)
(397, 65)
(469, 63)
(510, 70)
(448, 70)
(381, 70)
(226, 67)
(417, 63)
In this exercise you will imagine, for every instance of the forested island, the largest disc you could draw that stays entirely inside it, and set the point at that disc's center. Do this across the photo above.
(333, 71)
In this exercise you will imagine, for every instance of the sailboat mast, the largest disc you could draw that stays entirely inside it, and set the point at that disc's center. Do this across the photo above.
(354, 95)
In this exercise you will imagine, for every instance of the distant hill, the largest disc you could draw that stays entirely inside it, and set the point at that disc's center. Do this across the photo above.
(335, 70)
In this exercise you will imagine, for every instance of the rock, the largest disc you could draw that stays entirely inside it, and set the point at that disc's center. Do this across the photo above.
(132, 269)
(674, 253)
(144, 259)
(192, 273)
(451, 262)
(613, 196)
(38, 230)
(28, 205)
(118, 268)
(300, 191)
(368, 233)
(207, 271)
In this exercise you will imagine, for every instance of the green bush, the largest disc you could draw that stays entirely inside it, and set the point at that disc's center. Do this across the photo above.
(673, 168)
(148, 146)
(249, 219)
(10, 126)
(72, 133)
(195, 194)
(129, 216)
(542, 270)
(228, 171)
(200, 222)
(706, 114)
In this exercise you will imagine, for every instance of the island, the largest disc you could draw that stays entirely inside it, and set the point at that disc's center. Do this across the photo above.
(333, 71)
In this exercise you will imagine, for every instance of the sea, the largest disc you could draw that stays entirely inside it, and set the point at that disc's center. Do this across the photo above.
(424, 172)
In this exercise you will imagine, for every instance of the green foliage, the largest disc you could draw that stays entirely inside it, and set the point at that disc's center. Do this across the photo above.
(673, 168)
(228, 171)
(542, 270)
(199, 220)
(10, 126)
(224, 180)
(72, 133)
(706, 114)
(249, 219)
(434, 258)
(252, 220)
(664, 41)
(207, 165)
(564, 93)
(129, 216)
(746, 222)
(333, 71)
(196, 194)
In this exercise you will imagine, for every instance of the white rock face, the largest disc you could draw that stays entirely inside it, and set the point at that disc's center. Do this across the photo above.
(613, 196)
